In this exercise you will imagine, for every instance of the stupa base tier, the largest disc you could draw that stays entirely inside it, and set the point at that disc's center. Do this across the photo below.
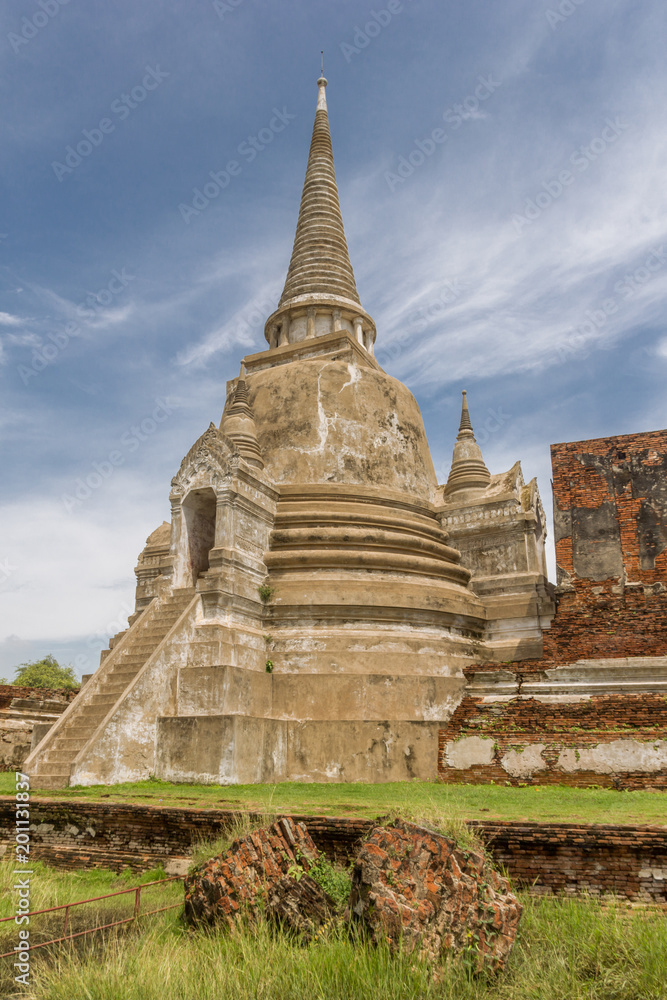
(232, 749)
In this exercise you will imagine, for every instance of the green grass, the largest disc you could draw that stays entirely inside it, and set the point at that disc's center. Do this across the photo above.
(553, 803)
(50, 887)
(566, 950)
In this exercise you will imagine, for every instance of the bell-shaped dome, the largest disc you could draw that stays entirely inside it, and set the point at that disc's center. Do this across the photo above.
(336, 421)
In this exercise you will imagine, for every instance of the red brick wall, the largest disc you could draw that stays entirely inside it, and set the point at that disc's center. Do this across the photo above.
(569, 858)
(610, 518)
(557, 857)
(516, 724)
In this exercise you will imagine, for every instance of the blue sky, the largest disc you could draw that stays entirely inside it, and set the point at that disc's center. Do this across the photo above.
(501, 170)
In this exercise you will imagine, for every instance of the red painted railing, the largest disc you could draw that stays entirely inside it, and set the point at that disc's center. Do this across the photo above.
(137, 890)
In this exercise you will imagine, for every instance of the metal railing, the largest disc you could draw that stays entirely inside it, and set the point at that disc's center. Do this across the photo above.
(137, 890)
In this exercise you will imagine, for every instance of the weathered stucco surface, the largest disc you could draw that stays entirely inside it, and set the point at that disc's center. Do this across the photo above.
(468, 751)
(231, 749)
(525, 762)
(323, 420)
(616, 757)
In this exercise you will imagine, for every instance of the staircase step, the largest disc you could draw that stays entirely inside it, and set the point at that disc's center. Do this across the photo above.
(51, 769)
(93, 717)
(74, 744)
(117, 686)
(55, 770)
(121, 673)
(120, 677)
(105, 700)
(48, 781)
(144, 650)
(58, 757)
(80, 732)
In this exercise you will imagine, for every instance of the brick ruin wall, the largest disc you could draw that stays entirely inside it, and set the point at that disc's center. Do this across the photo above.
(10, 692)
(610, 520)
(20, 709)
(617, 741)
(610, 531)
(610, 527)
(628, 861)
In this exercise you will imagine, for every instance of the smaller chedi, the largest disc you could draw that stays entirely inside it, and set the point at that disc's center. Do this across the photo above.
(309, 611)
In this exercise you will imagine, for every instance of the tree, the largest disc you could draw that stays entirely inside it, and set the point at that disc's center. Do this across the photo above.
(45, 673)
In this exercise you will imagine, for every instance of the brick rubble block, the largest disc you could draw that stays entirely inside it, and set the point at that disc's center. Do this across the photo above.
(420, 890)
(300, 906)
(236, 882)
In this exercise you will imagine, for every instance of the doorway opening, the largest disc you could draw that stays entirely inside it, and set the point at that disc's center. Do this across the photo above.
(199, 515)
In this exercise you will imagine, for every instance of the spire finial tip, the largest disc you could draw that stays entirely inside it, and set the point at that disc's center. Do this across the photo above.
(465, 424)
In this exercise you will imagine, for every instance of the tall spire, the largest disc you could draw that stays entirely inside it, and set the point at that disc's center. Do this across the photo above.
(320, 293)
(320, 259)
(468, 472)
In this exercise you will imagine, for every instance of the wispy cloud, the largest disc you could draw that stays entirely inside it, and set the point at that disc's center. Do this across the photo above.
(6, 319)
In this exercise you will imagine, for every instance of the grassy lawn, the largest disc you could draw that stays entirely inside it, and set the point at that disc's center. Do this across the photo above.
(538, 803)
(566, 950)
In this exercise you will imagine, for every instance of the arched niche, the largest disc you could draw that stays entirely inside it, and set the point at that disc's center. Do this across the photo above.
(198, 513)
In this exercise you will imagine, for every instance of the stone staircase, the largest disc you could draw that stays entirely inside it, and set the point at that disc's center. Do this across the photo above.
(49, 765)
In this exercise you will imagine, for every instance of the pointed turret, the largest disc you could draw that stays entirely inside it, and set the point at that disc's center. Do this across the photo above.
(238, 424)
(468, 472)
(320, 294)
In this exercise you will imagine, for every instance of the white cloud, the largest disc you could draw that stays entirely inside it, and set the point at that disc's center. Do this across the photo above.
(72, 574)
(6, 319)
